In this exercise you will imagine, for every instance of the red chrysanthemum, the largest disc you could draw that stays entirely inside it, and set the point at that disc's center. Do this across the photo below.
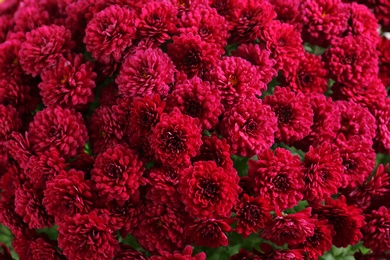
(12, 179)
(248, 19)
(145, 114)
(249, 127)
(209, 191)
(345, 219)
(9, 121)
(107, 128)
(358, 160)
(309, 77)
(69, 84)
(207, 23)
(185, 255)
(259, 57)
(326, 122)
(10, 59)
(375, 232)
(277, 177)
(210, 233)
(10, 219)
(157, 21)
(43, 48)
(384, 60)
(292, 229)
(197, 99)
(146, 72)
(161, 228)
(215, 149)
(68, 194)
(110, 32)
(252, 213)
(269, 253)
(294, 113)
(356, 120)
(18, 146)
(58, 128)
(323, 172)
(42, 248)
(284, 43)
(352, 60)
(323, 20)
(236, 79)
(192, 54)
(127, 253)
(44, 167)
(176, 139)
(362, 94)
(31, 14)
(320, 241)
(117, 173)
(28, 204)
(86, 236)
(288, 11)
(163, 185)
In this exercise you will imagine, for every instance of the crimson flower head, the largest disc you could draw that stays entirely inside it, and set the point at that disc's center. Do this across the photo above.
(68, 194)
(9, 122)
(252, 213)
(249, 127)
(277, 177)
(210, 233)
(69, 84)
(294, 113)
(323, 172)
(43, 48)
(176, 139)
(157, 21)
(117, 173)
(109, 33)
(292, 229)
(375, 234)
(209, 191)
(198, 99)
(58, 128)
(185, 255)
(190, 53)
(346, 220)
(87, 236)
(146, 72)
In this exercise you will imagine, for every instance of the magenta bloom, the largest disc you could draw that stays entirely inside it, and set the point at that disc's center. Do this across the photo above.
(249, 127)
(109, 33)
(210, 233)
(146, 72)
(375, 229)
(43, 48)
(69, 84)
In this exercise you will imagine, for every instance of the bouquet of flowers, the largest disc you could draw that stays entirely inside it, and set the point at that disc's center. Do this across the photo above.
(194, 129)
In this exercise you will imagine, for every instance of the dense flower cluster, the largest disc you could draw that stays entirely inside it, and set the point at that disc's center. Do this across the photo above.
(165, 129)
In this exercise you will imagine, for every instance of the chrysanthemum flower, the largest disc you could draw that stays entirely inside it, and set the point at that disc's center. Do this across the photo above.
(68, 194)
(375, 231)
(69, 84)
(157, 21)
(236, 79)
(161, 228)
(86, 236)
(294, 114)
(210, 232)
(252, 213)
(381, 112)
(14, 91)
(43, 48)
(185, 255)
(145, 73)
(9, 121)
(323, 172)
(190, 53)
(110, 32)
(127, 253)
(249, 127)
(58, 128)
(345, 219)
(117, 173)
(277, 177)
(292, 229)
(352, 60)
(209, 191)
(176, 139)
